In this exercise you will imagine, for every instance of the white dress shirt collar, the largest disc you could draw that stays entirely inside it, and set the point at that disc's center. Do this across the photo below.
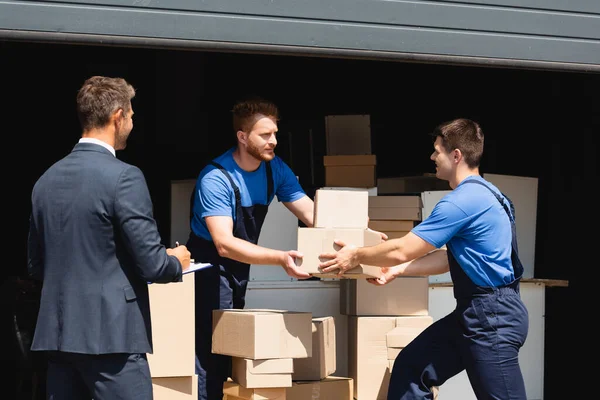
(100, 142)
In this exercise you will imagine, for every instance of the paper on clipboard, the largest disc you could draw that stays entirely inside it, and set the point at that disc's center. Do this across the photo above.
(196, 267)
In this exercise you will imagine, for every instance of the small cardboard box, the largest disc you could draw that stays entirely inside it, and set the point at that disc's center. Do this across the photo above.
(262, 334)
(273, 373)
(323, 360)
(314, 241)
(411, 201)
(172, 313)
(350, 170)
(341, 208)
(330, 388)
(233, 390)
(388, 225)
(407, 328)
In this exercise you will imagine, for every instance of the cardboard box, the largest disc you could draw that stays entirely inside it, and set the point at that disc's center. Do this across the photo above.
(392, 353)
(407, 328)
(348, 134)
(368, 363)
(314, 241)
(330, 388)
(372, 191)
(399, 213)
(175, 388)
(341, 209)
(410, 201)
(262, 334)
(323, 360)
(350, 170)
(395, 234)
(233, 390)
(173, 332)
(273, 373)
(387, 225)
(402, 296)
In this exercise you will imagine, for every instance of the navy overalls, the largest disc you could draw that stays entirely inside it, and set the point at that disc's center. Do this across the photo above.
(222, 286)
(482, 335)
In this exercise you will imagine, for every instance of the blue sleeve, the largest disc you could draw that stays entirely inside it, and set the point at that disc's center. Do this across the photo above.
(287, 187)
(445, 221)
(215, 196)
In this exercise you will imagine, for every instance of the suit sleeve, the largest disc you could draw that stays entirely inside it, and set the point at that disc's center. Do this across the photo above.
(133, 210)
(35, 262)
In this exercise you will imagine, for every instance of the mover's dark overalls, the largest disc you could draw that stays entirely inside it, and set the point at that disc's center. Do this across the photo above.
(482, 335)
(222, 286)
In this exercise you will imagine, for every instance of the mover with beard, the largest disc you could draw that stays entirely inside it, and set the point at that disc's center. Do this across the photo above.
(229, 205)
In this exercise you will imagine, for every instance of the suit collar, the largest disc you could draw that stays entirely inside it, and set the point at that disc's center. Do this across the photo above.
(94, 145)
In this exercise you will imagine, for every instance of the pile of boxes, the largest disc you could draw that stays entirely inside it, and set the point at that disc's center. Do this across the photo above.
(278, 355)
(381, 319)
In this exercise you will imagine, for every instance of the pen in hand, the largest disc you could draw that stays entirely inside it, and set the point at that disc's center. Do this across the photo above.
(177, 245)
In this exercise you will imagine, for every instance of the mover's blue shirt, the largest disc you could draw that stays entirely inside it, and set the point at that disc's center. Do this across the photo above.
(475, 227)
(214, 195)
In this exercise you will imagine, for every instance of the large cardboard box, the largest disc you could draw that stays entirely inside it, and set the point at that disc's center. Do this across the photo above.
(314, 241)
(341, 208)
(367, 356)
(407, 328)
(350, 170)
(262, 334)
(330, 388)
(402, 296)
(173, 332)
(175, 388)
(323, 360)
(233, 390)
(273, 373)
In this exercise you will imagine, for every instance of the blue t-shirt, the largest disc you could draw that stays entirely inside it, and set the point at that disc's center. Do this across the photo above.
(214, 195)
(474, 226)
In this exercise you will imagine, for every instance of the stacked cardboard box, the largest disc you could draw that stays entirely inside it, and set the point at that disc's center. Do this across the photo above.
(172, 361)
(297, 367)
(373, 313)
(263, 344)
(349, 162)
(338, 214)
(312, 378)
(385, 210)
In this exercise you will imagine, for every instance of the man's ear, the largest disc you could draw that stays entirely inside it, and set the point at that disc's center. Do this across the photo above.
(457, 155)
(242, 137)
(117, 115)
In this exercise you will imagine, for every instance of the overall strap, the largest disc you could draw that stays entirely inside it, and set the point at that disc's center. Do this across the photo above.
(238, 197)
(269, 182)
(510, 208)
(510, 211)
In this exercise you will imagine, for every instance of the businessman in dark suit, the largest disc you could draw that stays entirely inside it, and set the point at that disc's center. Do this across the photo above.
(94, 243)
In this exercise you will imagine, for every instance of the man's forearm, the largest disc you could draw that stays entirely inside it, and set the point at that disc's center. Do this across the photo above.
(249, 253)
(385, 254)
(434, 263)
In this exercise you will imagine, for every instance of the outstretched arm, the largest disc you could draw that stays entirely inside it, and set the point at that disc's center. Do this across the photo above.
(221, 231)
(434, 263)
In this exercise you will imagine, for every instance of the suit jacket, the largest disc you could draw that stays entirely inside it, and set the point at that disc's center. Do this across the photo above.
(95, 244)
